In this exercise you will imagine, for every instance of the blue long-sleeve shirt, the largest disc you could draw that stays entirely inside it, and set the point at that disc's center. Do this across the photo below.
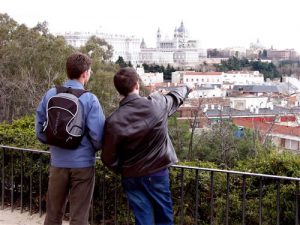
(84, 154)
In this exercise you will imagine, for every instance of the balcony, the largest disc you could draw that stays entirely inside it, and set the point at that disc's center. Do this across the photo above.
(200, 195)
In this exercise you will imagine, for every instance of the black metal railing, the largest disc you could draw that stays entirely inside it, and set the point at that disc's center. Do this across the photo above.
(262, 178)
(200, 195)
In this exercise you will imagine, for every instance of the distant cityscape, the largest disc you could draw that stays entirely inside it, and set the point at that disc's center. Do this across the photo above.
(179, 51)
(272, 107)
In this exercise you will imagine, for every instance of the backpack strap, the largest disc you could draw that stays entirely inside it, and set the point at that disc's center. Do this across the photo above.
(76, 92)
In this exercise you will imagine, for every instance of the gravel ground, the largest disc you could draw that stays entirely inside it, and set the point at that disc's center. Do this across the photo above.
(17, 218)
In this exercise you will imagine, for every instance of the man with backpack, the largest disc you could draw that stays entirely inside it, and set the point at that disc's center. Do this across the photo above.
(71, 121)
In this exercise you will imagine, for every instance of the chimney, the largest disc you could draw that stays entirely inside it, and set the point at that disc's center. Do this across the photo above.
(251, 109)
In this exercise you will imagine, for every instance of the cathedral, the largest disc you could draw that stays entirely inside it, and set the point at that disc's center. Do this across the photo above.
(180, 50)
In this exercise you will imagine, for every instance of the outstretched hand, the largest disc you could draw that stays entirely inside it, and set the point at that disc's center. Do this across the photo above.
(190, 87)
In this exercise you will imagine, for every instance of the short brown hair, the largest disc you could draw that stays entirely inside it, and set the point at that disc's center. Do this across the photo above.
(77, 63)
(125, 79)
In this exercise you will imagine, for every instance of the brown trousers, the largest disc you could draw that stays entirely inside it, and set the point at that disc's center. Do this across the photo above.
(75, 185)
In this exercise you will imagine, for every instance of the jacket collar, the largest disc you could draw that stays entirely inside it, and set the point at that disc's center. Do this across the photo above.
(129, 98)
(74, 84)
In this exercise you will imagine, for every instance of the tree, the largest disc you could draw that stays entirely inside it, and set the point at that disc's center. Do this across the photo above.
(42, 28)
(168, 72)
(30, 62)
(179, 134)
(120, 61)
(264, 54)
(268, 69)
(129, 64)
(98, 48)
(196, 113)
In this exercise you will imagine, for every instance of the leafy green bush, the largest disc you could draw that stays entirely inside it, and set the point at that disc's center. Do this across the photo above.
(20, 133)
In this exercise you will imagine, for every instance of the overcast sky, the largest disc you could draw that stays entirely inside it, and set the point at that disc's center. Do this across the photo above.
(215, 23)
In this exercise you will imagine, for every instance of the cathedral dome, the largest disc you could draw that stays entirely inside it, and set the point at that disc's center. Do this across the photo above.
(143, 44)
(181, 29)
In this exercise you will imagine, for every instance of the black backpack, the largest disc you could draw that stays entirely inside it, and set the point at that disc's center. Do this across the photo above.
(64, 126)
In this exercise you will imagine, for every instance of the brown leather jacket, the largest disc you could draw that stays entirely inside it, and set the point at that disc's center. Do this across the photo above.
(136, 140)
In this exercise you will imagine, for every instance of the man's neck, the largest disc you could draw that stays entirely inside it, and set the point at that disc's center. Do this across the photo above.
(134, 92)
(80, 80)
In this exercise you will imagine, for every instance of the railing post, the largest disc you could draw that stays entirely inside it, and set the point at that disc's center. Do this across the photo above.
(12, 182)
(40, 186)
(227, 197)
(22, 172)
(297, 204)
(103, 198)
(92, 212)
(211, 197)
(30, 186)
(128, 213)
(197, 196)
(115, 202)
(181, 196)
(260, 200)
(2, 180)
(278, 201)
(244, 200)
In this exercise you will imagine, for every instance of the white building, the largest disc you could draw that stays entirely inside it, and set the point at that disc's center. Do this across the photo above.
(152, 78)
(186, 56)
(153, 55)
(226, 80)
(253, 103)
(292, 81)
(198, 78)
(149, 78)
(236, 51)
(128, 47)
(207, 92)
(180, 50)
(243, 77)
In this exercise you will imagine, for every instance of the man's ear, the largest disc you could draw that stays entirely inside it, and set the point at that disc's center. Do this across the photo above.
(84, 74)
(137, 86)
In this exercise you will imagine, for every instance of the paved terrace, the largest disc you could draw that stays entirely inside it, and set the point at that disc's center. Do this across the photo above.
(7, 217)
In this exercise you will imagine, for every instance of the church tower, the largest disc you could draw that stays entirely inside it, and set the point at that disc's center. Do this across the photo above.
(182, 35)
(158, 38)
(143, 44)
(175, 39)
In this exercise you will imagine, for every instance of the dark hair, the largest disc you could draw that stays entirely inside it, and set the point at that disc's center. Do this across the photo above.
(125, 79)
(76, 64)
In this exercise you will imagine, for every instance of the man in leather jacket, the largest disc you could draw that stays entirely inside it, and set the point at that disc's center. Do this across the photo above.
(137, 145)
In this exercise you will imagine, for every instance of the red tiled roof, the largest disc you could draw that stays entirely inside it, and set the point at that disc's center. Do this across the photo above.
(202, 73)
(268, 127)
